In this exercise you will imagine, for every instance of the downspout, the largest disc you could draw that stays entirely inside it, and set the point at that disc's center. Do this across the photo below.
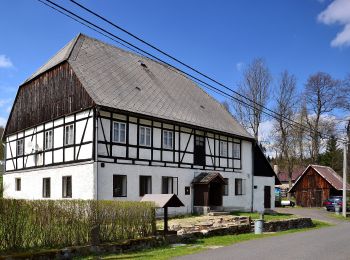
(253, 169)
(96, 149)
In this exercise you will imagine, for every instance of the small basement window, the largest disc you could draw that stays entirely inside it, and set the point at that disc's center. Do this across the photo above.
(145, 185)
(226, 187)
(119, 186)
(46, 187)
(67, 186)
(18, 184)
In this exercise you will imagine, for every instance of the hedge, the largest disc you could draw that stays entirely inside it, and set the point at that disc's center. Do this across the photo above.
(36, 224)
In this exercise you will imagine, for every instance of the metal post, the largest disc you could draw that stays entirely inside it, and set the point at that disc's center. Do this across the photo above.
(344, 180)
(165, 220)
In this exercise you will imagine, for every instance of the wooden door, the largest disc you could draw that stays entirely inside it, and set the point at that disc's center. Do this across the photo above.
(267, 197)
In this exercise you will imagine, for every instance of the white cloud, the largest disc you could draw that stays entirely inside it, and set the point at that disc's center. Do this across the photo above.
(5, 62)
(239, 66)
(338, 12)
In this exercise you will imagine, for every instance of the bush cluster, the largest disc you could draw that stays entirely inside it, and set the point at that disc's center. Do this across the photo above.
(59, 223)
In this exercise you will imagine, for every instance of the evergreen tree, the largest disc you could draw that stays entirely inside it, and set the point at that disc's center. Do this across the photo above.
(332, 157)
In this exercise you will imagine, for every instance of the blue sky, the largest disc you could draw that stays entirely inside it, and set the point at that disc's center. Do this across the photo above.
(217, 37)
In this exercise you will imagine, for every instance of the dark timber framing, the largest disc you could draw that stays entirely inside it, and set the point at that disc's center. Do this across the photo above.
(178, 152)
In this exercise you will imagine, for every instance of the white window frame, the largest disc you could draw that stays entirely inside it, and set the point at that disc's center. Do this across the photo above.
(145, 136)
(48, 140)
(69, 134)
(223, 148)
(20, 147)
(117, 136)
(168, 139)
(236, 150)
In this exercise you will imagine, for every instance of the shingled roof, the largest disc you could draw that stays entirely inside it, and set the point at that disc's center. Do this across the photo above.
(125, 81)
(328, 174)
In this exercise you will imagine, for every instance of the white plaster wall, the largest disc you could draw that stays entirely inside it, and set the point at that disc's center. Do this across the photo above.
(31, 182)
(260, 182)
(185, 177)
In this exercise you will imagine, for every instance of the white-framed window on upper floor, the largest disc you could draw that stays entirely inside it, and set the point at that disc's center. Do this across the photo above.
(145, 136)
(223, 148)
(168, 137)
(119, 132)
(236, 151)
(20, 147)
(69, 134)
(48, 140)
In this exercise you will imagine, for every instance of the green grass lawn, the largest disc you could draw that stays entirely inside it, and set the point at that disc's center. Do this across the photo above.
(168, 252)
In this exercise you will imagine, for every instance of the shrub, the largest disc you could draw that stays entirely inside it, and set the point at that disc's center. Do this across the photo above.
(50, 224)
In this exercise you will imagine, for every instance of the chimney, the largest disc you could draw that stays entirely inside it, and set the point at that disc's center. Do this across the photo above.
(275, 169)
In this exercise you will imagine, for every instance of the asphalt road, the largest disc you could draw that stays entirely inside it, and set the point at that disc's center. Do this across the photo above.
(326, 243)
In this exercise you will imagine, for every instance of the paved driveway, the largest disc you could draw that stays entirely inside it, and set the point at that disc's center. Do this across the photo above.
(314, 213)
(321, 244)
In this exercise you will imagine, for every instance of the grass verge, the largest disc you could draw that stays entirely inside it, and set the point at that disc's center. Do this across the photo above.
(168, 252)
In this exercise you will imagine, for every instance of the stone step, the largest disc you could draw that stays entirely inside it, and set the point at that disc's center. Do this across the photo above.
(218, 213)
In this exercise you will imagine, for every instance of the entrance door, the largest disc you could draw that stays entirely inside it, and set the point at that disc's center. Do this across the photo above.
(215, 194)
(267, 197)
(318, 198)
(199, 150)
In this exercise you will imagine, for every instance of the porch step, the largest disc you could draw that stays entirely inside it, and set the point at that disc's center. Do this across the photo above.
(218, 213)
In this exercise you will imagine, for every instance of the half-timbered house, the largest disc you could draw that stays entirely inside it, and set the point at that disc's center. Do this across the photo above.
(97, 122)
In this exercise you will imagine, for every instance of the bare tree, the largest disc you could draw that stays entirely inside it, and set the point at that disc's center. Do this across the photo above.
(286, 107)
(321, 98)
(255, 86)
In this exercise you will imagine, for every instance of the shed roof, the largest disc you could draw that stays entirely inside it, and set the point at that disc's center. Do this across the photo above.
(163, 200)
(283, 175)
(129, 82)
(207, 177)
(328, 174)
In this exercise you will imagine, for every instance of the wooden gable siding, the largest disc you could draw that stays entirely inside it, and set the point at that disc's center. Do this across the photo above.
(312, 189)
(55, 93)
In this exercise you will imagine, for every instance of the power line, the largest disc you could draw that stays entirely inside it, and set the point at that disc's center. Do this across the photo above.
(134, 48)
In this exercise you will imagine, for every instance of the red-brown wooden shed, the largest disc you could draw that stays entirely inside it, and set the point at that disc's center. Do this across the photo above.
(316, 184)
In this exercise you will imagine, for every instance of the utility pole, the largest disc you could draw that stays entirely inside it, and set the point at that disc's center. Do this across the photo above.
(345, 164)
(344, 178)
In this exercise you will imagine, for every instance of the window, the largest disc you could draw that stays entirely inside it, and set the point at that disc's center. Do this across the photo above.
(239, 187)
(236, 150)
(18, 184)
(145, 136)
(145, 185)
(67, 186)
(48, 140)
(69, 135)
(119, 132)
(167, 139)
(169, 185)
(46, 187)
(223, 148)
(20, 147)
(226, 187)
(119, 185)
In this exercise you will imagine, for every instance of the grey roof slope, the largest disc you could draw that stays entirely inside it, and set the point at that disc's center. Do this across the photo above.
(118, 79)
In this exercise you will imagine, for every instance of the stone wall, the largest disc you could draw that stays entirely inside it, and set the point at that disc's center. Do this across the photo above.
(281, 225)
